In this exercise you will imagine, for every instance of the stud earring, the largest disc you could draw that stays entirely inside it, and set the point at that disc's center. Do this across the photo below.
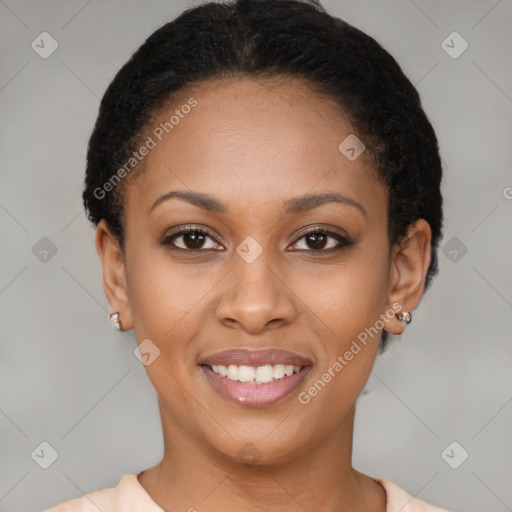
(404, 316)
(114, 318)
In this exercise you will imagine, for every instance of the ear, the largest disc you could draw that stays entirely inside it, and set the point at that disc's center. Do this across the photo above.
(114, 274)
(409, 264)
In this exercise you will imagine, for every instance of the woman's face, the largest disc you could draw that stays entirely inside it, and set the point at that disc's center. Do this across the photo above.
(264, 163)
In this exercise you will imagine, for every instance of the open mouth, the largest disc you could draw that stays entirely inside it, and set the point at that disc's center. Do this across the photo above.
(255, 377)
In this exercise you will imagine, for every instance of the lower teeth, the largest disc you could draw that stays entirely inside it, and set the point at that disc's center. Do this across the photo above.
(255, 382)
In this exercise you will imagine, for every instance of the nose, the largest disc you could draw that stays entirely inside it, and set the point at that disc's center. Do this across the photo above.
(255, 297)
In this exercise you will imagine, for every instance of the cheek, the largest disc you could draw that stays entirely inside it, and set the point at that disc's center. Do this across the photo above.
(347, 296)
(345, 301)
(167, 304)
(349, 303)
(162, 292)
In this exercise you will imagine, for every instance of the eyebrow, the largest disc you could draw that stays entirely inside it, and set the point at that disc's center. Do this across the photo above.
(291, 206)
(204, 201)
(310, 201)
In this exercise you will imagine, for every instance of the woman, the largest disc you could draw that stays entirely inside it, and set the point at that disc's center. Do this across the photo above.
(265, 187)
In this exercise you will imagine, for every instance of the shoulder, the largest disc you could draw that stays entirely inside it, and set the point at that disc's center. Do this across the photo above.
(399, 500)
(128, 495)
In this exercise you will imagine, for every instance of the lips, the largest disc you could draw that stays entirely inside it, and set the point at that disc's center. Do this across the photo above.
(248, 357)
(242, 375)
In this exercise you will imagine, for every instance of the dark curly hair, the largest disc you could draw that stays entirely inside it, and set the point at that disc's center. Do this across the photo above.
(273, 38)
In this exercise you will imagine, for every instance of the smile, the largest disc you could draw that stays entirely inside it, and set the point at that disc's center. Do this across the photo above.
(255, 378)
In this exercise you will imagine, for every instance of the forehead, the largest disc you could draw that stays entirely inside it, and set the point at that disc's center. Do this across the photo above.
(249, 142)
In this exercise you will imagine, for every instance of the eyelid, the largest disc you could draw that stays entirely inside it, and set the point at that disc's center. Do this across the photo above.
(181, 230)
(329, 230)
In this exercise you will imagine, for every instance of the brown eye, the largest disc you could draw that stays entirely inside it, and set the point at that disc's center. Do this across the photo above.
(316, 240)
(322, 240)
(191, 239)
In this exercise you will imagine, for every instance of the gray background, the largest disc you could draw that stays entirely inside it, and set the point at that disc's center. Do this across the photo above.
(71, 380)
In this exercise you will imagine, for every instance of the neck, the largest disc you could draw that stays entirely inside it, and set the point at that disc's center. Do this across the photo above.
(192, 477)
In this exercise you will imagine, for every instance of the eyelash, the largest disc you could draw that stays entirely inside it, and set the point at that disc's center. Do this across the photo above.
(344, 242)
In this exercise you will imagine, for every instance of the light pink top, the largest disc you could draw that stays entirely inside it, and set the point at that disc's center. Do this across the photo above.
(130, 496)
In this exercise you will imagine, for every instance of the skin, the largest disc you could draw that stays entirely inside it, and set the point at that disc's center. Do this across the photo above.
(253, 145)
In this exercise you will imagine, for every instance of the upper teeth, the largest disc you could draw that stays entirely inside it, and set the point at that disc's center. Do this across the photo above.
(255, 375)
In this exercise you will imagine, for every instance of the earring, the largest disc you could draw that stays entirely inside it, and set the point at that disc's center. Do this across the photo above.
(404, 316)
(114, 318)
